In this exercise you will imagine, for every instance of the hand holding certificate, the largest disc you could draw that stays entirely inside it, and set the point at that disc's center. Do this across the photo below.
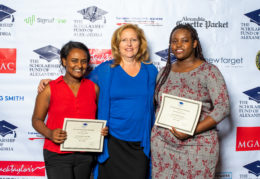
(83, 135)
(181, 113)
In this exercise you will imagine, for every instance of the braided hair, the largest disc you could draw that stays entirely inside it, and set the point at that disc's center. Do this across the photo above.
(167, 69)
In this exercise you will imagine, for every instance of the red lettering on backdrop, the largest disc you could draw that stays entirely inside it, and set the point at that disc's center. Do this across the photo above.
(248, 138)
(22, 168)
(100, 55)
(7, 60)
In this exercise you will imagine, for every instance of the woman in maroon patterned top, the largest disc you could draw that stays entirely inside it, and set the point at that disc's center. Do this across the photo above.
(179, 155)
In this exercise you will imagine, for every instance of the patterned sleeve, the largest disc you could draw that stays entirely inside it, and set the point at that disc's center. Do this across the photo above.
(218, 94)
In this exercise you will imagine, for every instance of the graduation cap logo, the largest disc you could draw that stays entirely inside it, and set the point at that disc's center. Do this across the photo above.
(48, 53)
(253, 168)
(6, 12)
(93, 13)
(7, 128)
(254, 16)
(164, 55)
(254, 94)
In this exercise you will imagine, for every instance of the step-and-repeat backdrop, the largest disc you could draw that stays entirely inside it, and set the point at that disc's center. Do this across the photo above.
(32, 33)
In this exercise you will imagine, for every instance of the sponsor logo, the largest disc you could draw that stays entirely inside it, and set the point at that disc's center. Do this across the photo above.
(6, 20)
(11, 98)
(47, 63)
(250, 109)
(247, 139)
(253, 169)
(201, 22)
(35, 135)
(251, 31)
(145, 21)
(99, 56)
(31, 20)
(22, 168)
(228, 62)
(7, 135)
(257, 60)
(223, 175)
(7, 60)
(164, 55)
(6, 13)
(92, 24)
(93, 14)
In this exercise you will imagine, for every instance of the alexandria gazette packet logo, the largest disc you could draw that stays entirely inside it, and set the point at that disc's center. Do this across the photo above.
(201, 22)
(91, 24)
(251, 31)
(47, 63)
(7, 60)
(248, 138)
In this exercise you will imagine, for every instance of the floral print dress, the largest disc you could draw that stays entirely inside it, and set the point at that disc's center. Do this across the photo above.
(197, 156)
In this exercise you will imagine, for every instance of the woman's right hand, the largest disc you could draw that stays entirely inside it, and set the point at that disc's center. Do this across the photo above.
(58, 136)
(43, 83)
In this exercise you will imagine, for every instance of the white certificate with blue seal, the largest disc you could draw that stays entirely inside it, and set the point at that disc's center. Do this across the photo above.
(178, 112)
(83, 135)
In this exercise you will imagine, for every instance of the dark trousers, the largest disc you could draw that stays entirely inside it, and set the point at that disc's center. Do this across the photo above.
(76, 165)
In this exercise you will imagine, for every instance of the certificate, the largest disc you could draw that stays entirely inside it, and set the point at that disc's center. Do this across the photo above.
(181, 113)
(83, 135)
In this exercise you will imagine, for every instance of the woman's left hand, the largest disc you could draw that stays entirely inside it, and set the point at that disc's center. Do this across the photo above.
(179, 135)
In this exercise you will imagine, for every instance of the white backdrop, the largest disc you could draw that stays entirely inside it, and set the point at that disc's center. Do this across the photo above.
(32, 33)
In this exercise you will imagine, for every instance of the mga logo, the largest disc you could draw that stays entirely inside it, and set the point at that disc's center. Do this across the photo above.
(247, 139)
(22, 168)
(7, 60)
(254, 16)
(7, 128)
(48, 53)
(93, 14)
(6, 13)
(99, 56)
(164, 55)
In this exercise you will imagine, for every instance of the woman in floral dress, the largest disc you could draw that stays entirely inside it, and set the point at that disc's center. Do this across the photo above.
(175, 154)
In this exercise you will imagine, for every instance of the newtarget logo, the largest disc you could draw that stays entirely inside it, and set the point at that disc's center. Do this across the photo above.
(7, 60)
(248, 138)
(22, 168)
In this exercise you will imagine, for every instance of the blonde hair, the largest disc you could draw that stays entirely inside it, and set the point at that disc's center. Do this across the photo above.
(142, 54)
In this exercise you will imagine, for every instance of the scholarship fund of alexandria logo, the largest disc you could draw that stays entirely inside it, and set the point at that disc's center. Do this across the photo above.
(7, 135)
(253, 170)
(250, 108)
(6, 20)
(257, 60)
(201, 22)
(91, 23)
(46, 63)
(163, 54)
(251, 30)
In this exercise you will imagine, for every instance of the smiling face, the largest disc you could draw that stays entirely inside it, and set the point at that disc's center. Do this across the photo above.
(182, 45)
(129, 44)
(75, 63)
